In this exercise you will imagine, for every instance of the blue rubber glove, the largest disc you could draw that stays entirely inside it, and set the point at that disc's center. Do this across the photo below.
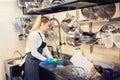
(55, 61)
(50, 61)
(47, 62)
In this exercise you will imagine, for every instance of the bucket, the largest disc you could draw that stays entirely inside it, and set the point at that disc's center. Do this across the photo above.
(108, 73)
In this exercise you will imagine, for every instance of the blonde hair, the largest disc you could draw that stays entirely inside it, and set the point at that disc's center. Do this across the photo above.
(36, 24)
(40, 19)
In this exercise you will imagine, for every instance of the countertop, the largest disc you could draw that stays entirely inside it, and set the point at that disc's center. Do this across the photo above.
(61, 73)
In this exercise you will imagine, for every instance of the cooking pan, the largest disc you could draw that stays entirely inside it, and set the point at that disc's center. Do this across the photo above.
(75, 40)
(99, 12)
(106, 11)
(89, 13)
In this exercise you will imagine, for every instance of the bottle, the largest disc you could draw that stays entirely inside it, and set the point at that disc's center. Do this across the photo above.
(77, 50)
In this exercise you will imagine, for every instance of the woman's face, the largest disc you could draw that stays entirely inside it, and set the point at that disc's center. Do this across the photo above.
(45, 26)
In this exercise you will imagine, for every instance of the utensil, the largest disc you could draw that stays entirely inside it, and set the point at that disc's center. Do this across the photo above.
(106, 11)
(99, 12)
(66, 23)
(89, 13)
(108, 28)
(57, 1)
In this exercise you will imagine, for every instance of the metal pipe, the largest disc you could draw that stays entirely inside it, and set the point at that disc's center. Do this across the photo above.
(60, 40)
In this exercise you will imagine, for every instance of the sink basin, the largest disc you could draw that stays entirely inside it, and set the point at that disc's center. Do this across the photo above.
(65, 62)
(14, 62)
(12, 68)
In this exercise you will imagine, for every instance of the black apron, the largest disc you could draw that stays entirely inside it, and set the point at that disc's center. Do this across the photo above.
(32, 69)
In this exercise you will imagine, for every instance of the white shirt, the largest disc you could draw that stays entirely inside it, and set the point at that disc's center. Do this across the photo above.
(34, 41)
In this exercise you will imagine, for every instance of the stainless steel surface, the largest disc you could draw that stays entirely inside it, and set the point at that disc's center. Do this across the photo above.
(106, 11)
(57, 2)
(21, 3)
(58, 36)
(99, 12)
(67, 23)
(18, 52)
(71, 26)
(11, 65)
(108, 28)
(89, 13)
(73, 40)
(45, 4)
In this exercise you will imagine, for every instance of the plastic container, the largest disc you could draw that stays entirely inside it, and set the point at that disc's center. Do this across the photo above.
(108, 73)
(116, 40)
(107, 39)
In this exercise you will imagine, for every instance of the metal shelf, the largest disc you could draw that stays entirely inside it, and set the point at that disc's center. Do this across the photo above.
(69, 5)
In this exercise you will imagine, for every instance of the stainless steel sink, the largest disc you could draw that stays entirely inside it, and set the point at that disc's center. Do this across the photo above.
(65, 62)
(12, 67)
(14, 62)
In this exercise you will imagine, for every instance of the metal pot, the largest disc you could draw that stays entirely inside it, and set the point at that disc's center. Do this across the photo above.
(108, 28)
(74, 38)
(67, 23)
(99, 12)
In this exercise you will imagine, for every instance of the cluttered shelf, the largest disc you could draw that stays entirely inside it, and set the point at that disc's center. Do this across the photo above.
(68, 5)
(64, 6)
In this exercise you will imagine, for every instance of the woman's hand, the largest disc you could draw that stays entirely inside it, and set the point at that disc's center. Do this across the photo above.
(51, 61)
(47, 62)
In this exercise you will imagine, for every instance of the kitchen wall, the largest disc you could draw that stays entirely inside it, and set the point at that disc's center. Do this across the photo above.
(9, 41)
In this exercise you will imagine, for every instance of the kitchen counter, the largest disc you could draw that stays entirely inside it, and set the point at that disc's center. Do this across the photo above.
(65, 73)
(46, 73)
(61, 73)
(12, 69)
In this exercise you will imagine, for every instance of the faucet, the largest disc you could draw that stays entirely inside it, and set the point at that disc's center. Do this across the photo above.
(18, 53)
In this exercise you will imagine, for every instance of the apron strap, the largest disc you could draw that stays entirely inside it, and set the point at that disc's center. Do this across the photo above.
(40, 36)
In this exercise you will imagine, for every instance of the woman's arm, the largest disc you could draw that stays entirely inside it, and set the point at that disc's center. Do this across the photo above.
(33, 41)
(47, 52)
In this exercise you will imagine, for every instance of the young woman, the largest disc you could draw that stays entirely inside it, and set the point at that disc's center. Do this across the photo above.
(35, 48)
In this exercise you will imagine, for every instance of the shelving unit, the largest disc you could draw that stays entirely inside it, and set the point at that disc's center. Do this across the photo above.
(112, 21)
(72, 5)
(69, 5)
